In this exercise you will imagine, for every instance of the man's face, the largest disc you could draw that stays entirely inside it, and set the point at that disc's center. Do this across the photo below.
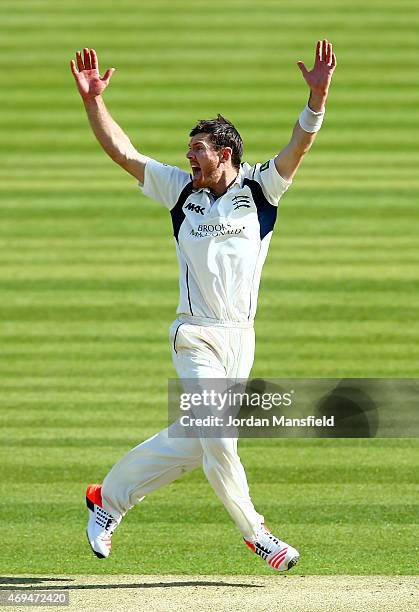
(205, 160)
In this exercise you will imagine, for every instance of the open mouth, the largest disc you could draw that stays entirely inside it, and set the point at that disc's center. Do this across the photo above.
(196, 172)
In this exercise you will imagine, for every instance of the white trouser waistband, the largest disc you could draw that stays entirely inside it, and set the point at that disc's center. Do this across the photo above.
(205, 321)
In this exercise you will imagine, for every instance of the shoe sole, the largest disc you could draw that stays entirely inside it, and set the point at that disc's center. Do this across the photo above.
(293, 561)
(98, 555)
(90, 504)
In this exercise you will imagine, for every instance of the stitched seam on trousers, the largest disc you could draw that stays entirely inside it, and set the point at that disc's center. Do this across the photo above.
(174, 339)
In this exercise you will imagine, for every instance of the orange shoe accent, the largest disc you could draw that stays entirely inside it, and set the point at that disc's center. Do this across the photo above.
(94, 493)
(250, 545)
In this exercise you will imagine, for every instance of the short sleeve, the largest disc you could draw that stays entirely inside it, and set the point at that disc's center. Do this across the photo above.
(163, 183)
(272, 183)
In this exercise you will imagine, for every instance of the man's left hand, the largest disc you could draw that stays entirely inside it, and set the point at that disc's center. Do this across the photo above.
(319, 78)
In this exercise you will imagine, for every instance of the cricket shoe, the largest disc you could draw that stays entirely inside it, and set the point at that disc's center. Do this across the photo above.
(279, 555)
(101, 524)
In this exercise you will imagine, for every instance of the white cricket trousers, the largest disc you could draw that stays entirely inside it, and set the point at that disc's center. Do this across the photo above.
(200, 349)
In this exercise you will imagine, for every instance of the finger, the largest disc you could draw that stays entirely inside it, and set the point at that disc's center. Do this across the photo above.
(334, 61)
(73, 68)
(318, 55)
(107, 76)
(329, 53)
(86, 56)
(303, 68)
(324, 50)
(94, 60)
(79, 61)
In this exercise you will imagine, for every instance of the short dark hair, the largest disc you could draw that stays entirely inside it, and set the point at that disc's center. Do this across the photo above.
(222, 134)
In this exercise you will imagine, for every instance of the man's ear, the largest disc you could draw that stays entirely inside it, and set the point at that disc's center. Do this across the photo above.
(226, 154)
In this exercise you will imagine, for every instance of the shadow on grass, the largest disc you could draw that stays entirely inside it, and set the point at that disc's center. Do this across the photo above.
(36, 581)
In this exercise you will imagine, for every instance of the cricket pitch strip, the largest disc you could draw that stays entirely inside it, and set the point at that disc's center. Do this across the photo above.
(116, 593)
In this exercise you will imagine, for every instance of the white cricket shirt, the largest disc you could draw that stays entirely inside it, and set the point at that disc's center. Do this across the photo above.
(221, 243)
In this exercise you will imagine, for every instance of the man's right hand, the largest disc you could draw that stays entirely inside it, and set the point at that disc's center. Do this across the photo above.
(109, 134)
(88, 80)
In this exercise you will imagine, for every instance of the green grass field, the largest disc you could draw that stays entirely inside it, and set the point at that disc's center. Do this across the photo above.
(88, 275)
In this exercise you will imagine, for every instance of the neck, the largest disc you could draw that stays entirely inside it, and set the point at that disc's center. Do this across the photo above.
(224, 182)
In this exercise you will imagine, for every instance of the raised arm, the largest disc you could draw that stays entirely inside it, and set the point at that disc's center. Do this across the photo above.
(318, 79)
(112, 138)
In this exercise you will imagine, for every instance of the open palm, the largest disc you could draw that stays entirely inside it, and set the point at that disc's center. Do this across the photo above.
(89, 82)
(319, 78)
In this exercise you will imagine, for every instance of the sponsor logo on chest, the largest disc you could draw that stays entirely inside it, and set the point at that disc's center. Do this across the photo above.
(213, 230)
